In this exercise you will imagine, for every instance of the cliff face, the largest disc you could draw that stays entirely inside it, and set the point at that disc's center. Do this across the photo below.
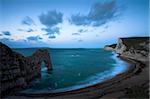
(110, 47)
(17, 71)
(134, 48)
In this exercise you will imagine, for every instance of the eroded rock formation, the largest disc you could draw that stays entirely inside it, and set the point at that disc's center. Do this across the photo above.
(110, 47)
(17, 71)
(132, 47)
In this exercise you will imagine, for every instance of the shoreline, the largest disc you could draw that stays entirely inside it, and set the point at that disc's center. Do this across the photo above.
(100, 89)
(116, 71)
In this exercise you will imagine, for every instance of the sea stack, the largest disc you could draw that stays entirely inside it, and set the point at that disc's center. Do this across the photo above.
(17, 71)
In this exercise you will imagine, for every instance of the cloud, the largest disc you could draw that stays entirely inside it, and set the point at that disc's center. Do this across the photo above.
(22, 43)
(6, 33)
(33, 38)
(79, 19)
(51, 18)
(27, 21)
(51, 31)
(21, 30)
(12, 43)
(80, 40)
(52, 36)
(106, 27)
(75, 33)
(29, 30)
(81, 30)
(99, 14)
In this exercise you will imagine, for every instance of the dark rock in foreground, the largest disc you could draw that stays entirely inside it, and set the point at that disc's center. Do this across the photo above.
(17, 71)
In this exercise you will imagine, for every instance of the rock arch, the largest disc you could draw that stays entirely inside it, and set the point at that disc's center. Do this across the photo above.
(17, 71)
(42, 55)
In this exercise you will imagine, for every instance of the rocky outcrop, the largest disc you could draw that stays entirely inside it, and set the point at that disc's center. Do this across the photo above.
(17, 71)
(110, 47)
(133, 47)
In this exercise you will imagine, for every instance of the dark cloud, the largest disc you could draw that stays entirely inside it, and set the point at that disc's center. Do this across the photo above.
(51, 18)
(81, 30)
(79, 19)
(99, 14)
(51, 31)
(52, 36)
(75, 33)
(6, 33)
(27, 21)
(33, 38)
(30, 30)
(40, 38)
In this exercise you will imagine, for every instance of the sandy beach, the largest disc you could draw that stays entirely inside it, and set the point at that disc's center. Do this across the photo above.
(137, 76)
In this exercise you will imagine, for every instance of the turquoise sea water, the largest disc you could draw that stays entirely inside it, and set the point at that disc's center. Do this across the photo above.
(75, 68)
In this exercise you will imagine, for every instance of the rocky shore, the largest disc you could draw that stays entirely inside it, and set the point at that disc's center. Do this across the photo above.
(133, 83)
(17, 71)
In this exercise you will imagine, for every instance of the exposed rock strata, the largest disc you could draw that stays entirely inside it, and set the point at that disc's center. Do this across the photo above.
(17, 71)
(133, 47)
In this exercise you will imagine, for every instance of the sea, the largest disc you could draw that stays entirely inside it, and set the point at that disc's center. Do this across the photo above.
(74, 69)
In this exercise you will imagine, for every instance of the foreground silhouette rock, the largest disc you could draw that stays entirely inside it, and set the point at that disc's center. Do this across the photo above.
(17, 71)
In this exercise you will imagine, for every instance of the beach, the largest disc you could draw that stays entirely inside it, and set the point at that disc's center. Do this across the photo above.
(137, 75)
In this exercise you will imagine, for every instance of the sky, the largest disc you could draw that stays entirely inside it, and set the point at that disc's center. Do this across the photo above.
(71, 23)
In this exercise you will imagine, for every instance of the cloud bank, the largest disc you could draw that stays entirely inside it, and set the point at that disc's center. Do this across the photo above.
(99, 14)
(51, 18)
(33, 38)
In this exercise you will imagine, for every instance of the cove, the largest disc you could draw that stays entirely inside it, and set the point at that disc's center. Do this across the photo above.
(74, 69)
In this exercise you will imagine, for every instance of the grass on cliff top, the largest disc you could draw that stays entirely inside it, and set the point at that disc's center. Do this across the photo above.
(131, 41)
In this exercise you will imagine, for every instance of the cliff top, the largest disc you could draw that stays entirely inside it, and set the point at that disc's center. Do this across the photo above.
(131, 41)
(112, 45)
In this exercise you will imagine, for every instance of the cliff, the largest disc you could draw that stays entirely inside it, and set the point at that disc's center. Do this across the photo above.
(110, 47)
(132, 47)
(17, 71)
